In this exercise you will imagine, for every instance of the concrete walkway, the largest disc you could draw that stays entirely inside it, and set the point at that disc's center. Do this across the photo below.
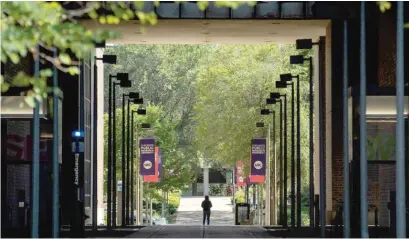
(179, 231)
(190, 211)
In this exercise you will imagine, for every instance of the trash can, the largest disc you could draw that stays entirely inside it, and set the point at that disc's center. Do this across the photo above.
(242, 214)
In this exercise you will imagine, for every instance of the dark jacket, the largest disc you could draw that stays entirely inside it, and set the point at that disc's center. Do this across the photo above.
(206, 205)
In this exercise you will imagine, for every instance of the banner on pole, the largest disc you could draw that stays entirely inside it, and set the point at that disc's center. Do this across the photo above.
(147, 157)
(258, 160)
(160, 165)
(240, 174)
(154, 178)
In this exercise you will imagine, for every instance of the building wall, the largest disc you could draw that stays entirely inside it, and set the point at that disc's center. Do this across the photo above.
(381, 57)
(18, 175)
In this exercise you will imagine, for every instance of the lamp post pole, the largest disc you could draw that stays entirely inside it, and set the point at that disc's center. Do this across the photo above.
(400, 126)
(298, 154)
(274, 208)
(36, 159)
(109, 181)
(127, 165)
(268, 179)
(56, 166)
(281, 167)
(132, 168)
(285, 162)
(292, 157)
(346, 207)
(114, 159)
(362, 123)
(123, 162)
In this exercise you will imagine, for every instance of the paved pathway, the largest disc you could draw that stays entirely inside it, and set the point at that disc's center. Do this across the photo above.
(179, 231)
(190, 211)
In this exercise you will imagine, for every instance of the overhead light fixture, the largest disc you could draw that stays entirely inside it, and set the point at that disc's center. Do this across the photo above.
(265, 111)
(141, 111)
(138, 101)
(298, 59)
(100, 44)
(281, 84)
(133, 95)
(145, 126)
(126, 84)
(123, 79)
(259, 124)
(286, 77)
(122, 76)
(303, 44)
(109, 59)
(270, 101)
(275, 95)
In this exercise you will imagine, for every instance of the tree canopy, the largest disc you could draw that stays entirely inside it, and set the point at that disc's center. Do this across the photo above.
(211, 95)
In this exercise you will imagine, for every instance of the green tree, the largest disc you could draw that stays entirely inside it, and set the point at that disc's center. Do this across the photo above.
(176, 175)
(165, 76)
(25, 26)
(232, 87)
(23, 29)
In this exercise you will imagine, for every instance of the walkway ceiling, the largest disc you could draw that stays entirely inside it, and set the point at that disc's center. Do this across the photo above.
(215, 31)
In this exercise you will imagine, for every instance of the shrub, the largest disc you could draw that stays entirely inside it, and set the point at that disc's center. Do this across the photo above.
(240, 197)
(174, 202)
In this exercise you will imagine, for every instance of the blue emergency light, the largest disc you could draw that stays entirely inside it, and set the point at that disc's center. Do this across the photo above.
(77, 134)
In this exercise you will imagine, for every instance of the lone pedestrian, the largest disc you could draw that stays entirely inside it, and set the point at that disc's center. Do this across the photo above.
(206, 205)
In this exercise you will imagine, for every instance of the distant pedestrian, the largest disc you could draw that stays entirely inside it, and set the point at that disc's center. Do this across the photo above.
(206, 205)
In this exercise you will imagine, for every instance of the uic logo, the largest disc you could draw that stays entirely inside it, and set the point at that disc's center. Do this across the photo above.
(147, 164)
(258, 165)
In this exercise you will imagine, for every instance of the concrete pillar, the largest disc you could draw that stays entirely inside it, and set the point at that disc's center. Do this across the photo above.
(100, 140)
(206, 180)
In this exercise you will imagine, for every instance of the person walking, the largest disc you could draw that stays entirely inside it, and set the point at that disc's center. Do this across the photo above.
(206, 205)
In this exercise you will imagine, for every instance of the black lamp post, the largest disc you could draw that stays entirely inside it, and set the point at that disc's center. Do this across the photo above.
(282, 84)
(131, 95)
(106, 59)
(274, 98)
(285, 79)
(124, 82)
(139, 112)
(299, 59)
(133, 98)
(267, 112)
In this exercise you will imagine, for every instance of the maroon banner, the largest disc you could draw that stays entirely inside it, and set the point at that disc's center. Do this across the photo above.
(147, 157)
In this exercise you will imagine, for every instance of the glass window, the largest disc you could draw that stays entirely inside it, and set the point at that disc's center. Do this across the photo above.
(381, 136)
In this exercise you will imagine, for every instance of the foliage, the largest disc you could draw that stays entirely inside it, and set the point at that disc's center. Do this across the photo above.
(381, 147)
(164, 75)
(174, 202)
(232, 86)
(57, 30)
(175, 174)
(215, 190)
(240, 196)
(385, 6)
